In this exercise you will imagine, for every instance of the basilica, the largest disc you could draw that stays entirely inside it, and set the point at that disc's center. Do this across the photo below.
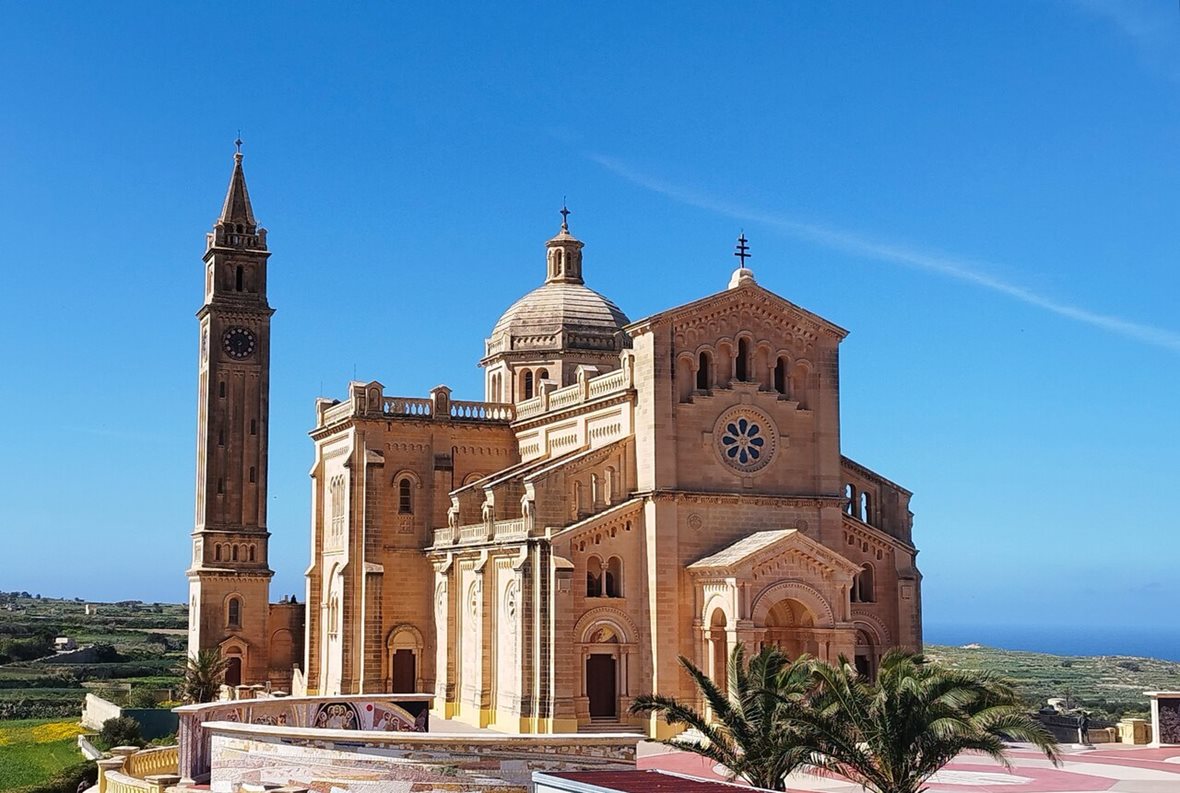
(625, 493)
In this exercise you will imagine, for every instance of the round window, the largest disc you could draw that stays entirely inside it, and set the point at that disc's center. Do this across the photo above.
(745, 438)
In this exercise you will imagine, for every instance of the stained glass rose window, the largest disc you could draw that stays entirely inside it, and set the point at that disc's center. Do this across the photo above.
(745, 438)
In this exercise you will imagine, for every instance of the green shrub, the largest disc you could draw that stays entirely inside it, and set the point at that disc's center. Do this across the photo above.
(66, 780)
(120, 731)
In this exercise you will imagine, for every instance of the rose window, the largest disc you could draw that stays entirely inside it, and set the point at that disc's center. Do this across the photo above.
(743, 441)
(745, 438)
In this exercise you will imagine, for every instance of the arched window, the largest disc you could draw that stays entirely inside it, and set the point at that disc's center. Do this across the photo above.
(234, 553)
(780, 376)
(850, 497)
(252, 474)
(233, 612)
(251, 553)
(217, 552)
(864, 507)
(238, 279)
(594, 577)
(608, 486)
(704, 375)
(528, 384)
(612, 586)
(866, 586)
(405, 496)
(743, 360)
(221, 389)
(542, 376)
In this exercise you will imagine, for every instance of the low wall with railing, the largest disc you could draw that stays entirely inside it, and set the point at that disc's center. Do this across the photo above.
(357, 713)
(374, 761)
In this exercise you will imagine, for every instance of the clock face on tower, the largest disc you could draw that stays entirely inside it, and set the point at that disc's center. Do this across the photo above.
(238, 343)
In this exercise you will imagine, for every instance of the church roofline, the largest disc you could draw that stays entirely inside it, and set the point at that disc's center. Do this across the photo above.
(871, 474)
(674, 313)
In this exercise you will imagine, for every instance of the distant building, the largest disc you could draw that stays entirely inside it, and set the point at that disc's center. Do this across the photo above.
(90, 609)
(63, 643)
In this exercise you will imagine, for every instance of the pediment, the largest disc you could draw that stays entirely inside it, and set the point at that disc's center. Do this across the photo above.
(748, 297)
(751, 555)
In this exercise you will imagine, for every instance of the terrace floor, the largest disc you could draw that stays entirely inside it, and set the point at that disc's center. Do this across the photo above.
(1084, 770)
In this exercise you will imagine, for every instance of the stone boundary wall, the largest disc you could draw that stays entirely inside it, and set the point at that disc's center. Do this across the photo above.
(96, 710)
(374, 762)
(348, 713)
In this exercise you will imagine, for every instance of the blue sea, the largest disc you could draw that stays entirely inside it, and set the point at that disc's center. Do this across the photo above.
(1161, 642)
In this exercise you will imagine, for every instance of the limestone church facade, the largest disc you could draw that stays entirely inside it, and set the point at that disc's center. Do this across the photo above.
(626, 492)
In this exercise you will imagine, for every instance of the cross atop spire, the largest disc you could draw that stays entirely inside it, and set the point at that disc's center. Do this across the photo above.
(565, 216)
(743, 250)
(238, 142)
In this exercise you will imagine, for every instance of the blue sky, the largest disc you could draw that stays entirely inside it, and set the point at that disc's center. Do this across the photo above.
(985, 194)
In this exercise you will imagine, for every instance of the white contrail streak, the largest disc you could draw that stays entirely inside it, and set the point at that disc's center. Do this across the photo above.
(950, 266)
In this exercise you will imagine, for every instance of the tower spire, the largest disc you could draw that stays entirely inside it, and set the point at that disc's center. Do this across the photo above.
(236, 227)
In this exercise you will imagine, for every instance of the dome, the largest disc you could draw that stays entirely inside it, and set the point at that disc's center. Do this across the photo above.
(561, 306)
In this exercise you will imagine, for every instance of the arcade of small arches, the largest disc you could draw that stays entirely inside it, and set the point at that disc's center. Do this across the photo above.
(528, 384)
(747, 361)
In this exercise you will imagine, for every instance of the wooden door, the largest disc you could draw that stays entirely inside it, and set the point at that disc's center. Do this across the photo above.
(600, 686)
(405, 672)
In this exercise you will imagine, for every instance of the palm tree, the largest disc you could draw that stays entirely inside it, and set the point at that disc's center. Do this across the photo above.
(892, 735)
(203, 673)
(746, 733)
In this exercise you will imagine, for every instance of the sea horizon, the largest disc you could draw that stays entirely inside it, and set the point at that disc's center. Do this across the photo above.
(1143, 642)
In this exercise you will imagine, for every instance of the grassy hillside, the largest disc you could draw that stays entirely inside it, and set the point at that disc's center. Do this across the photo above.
(1111, 686)
(33, 751)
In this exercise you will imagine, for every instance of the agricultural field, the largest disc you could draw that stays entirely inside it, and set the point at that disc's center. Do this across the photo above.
(136, 648)
(1109, 686)
(32, 751)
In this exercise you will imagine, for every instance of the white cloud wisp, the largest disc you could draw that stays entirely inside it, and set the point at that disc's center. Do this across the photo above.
(947, 265)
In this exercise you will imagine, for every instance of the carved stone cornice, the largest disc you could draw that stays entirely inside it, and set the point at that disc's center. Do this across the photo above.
(758, 499)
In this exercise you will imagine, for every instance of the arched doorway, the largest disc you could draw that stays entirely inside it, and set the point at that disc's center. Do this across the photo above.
(405, 650)
(790, 626)
(602, 674)
(233, 670)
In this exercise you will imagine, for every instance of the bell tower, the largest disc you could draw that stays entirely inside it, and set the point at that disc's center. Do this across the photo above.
(229, 578)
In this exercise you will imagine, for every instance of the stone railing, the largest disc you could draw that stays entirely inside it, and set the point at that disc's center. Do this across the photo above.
(405, 406)
(131, 770)
(585, 389)
(152, 761)
(481, 411)
(608, 383)
(359, 714)
(513, 529)
(530, 407)
(369, 400)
